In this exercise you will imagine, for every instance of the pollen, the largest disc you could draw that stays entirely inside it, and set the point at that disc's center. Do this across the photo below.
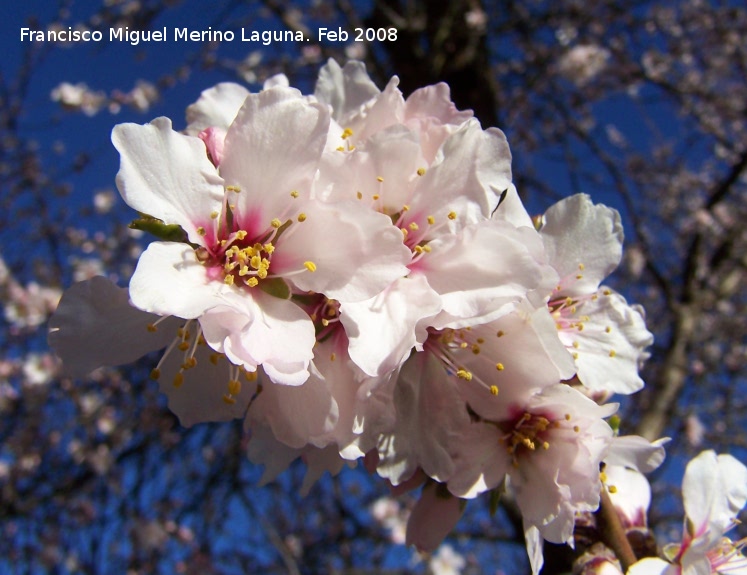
(464, 374)
(431, 220)
(452, 215)
(379, 179)
(214, 215)
(294, 193)
(302, 217)
(581, 267)
(376, 196)
(500, 366)
(613, 353)
(311, 266)
(607, 329)
(346, 133)
(234, 189)
(612, 489)
(421, 171)
(607, 292)
(359, 195)
(332, 356)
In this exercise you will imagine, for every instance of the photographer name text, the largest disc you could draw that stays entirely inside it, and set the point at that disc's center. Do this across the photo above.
(265, 37)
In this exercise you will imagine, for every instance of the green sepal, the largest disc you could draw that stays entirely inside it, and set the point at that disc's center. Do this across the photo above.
(614, 423)
(157, 228)
(495, 498)
(275, 287)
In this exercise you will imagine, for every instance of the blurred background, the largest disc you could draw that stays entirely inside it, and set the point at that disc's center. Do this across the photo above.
(640, 103)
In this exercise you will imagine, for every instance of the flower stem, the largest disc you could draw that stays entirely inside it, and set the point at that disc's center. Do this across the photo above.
(613, 534)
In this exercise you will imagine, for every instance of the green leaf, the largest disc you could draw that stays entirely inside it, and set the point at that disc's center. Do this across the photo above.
(275, 287)
(155, 227)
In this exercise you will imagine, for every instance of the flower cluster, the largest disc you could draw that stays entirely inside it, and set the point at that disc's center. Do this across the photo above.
(353, 274)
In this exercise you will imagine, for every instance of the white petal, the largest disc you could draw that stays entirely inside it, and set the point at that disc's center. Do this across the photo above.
(577, 232)
(479, 271)
(525, 343)
(346, 89)
(653, 566)
(475, 170)
(200, 397)
(263, 330)
(95, 325)
(434, 116)
(428, 413)
(611, 347)
(357, 252)
(169, 280)
(714, 490)
(636, 452)
(272, 148)
(534, 548)
(384, 329)
(297, 415)
(167, 175)
(216, 107)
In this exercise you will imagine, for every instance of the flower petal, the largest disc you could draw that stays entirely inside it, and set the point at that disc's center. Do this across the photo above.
(357, 252)
(167, 175)
(481, 272)
(169, 280)
(262, 330)
(384, 329)
(346, 89)
(95, 325)
(271, 149)
(216, 107)
(578, 233)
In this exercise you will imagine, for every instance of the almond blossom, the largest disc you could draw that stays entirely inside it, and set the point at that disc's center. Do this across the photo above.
(253, 229)
(606, 337)
(714, 490)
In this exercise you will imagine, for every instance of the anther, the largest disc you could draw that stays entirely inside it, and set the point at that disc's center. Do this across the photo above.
(379, 179)
(431, 220)
(178, 379)
(613, 353)
(311, 266)
(155, 373)
(464, 374)
(494, 390)
(452, 215)
(152, 328)
(234, 387)
(421, 171)
(499, 366)
(276, 223)
(301, 217)
(294, 193)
